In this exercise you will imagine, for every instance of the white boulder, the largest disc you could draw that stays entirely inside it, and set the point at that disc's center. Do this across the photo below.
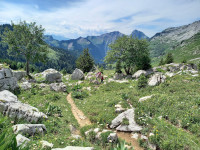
(19, 74)
(11, 107)
(46, 145)
(145, 98)
(156, 79)
(129, 114)
(26, 85)
(77, 75)
(22, 140)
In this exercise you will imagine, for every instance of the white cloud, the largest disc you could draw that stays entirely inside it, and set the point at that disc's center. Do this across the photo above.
(95, 17)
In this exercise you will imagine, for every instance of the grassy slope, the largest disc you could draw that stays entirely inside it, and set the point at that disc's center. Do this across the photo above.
(177, 101)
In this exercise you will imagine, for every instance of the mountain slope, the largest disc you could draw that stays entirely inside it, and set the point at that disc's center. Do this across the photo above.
(171, 37)
(98, 45)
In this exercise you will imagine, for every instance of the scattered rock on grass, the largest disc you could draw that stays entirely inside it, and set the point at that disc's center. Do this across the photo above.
(77, 75)
(26, 85)
(58, 87)
(22, 140)
(46, 145)
(156, 79)
(30, 129)
(145, 98)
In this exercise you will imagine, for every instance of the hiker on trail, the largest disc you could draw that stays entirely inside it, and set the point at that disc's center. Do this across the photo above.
(100, 76)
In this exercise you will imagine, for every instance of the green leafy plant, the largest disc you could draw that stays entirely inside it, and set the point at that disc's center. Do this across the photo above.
(52, 110)
(121, 146)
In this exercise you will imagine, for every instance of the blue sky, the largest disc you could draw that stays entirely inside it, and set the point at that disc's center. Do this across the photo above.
(75, 18)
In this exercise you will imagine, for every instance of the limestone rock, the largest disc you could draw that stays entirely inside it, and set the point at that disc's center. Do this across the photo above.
(135, 136)
(77, 75)
(8, 84)
(26, 85)
(21, 140)
(156, 79)
(112, 138)
(53, 77)
(145, 98)
(139, 73)
(129, 114)
(58, 87)
(119, 109)
(75, 136)
(30, 129)
(170, 74)
(7, 96)
(74, 148)
(19, 74)
(7, 72)
(11, 107)
(46, 145)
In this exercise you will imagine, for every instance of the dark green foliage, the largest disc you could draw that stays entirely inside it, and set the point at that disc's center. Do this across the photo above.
(161, 62)
(169, 59)
(124, 96)
(53, 110)
(184, 61)
(142, 81)
(85, 62)
(118, 68)
(120, 146)
(198, 66)
(79, 94)
(130, 52)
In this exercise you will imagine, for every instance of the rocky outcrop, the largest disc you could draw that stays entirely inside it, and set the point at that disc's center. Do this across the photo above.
(119, 108)
(74, 148)
(19, 74)
(156, 79)
(58, 87)
(29, 129)
(139, 73)
(7, 80)
(11, 107)
(118, 122)
(22, 140)
(77, 75)
(50, 75)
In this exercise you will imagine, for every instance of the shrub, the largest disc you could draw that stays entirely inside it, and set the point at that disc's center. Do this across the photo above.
(79, 94)
(184, 61)
(52, 110)
(142, 81)
(124, 96)
(118, 68)
(161, 62)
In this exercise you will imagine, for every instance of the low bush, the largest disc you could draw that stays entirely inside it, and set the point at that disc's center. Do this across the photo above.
(142, 82)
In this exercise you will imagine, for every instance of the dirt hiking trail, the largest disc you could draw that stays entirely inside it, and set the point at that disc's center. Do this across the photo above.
(78, 114)
(84, 121)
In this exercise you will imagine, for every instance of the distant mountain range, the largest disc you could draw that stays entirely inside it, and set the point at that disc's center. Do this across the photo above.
(98, 45)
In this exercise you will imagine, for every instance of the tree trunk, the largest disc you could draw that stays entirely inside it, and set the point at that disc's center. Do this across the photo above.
(127, 70)
(27, 67)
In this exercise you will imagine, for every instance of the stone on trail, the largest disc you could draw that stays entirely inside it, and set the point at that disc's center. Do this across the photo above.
(129, 114)
(22, 140)
(30, 129)
(77, 75)
(112, 138)
(74, 148)
(11, 107)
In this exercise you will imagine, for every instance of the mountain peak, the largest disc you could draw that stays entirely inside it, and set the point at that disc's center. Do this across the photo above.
(138, 34)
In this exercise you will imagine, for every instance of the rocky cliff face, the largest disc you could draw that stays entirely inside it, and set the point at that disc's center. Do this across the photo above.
(171, 37)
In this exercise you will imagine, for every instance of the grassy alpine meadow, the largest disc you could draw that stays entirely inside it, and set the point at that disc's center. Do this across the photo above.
(172, 114)
(60, 117)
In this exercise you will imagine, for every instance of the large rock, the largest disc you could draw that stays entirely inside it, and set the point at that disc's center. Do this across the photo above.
(11, 107)
(129, 114)
(77, 75)
(8, 84)
(58, 87)
(19, 74)
(22, 140)
(7, 72)
(50, 75)
(74, 148)
(156, 79)
(30, 129)
(139, 73)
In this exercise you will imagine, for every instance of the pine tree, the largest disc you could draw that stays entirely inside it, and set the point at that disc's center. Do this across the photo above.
(85, 62)
(161, 62)
(169, 59)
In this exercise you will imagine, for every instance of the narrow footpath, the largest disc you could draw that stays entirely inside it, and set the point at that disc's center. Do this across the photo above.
(84, 121)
